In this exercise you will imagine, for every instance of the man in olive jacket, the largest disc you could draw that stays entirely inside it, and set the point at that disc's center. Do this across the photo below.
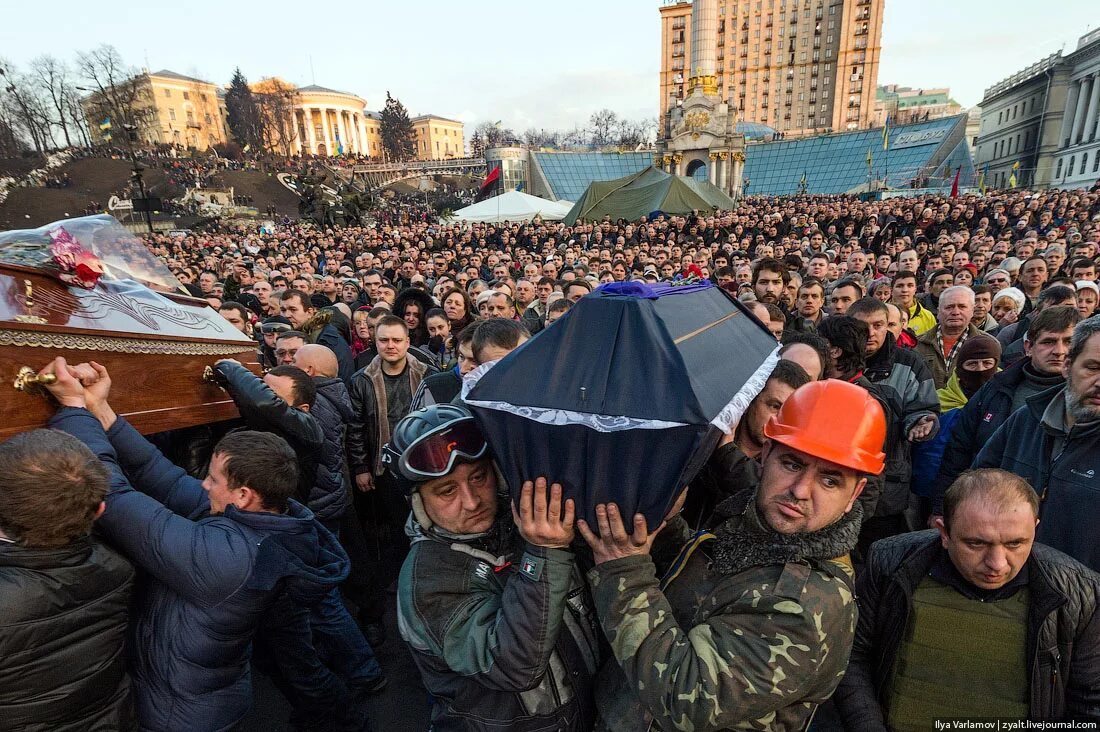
(975, 620)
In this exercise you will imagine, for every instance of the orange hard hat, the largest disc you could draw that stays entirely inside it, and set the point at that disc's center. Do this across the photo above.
(835, 421)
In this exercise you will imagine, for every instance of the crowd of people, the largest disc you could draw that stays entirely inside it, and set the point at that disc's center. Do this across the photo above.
(898, 530)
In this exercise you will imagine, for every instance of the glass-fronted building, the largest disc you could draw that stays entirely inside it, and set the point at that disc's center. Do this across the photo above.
(919, 155)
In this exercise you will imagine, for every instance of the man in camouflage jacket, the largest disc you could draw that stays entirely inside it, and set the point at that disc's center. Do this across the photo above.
(752, 625)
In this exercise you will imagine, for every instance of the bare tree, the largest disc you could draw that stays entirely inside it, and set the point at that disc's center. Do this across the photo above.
(541, 137)
(118, 91)
(76, 116)
(25, 106)
(53, 77)
(495, 134)
(275, 105)
(602, 126)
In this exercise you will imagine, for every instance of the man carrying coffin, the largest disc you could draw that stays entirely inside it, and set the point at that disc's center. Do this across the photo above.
(752, 624)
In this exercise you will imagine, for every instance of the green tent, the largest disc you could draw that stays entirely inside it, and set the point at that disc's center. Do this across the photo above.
(648, 190)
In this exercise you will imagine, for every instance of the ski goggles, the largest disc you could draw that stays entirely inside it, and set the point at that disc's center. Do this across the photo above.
(434, 454)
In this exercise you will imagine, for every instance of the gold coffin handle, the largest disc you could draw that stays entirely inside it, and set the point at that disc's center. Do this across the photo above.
(28, 380)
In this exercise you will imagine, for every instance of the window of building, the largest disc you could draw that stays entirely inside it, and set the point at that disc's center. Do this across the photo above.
(1084, 162)
(190, 117)
(999, 117)
(171, 113)
(186, 95)
(1069, 168)
(1096, 162)
(168, 92)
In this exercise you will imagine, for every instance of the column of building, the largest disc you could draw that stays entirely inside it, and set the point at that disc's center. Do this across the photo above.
(1080, 114)
(311, 131)
(1088, 130)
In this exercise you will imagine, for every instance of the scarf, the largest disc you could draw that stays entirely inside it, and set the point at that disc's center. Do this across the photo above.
(746, 541)
(949, 362)
(415, 370)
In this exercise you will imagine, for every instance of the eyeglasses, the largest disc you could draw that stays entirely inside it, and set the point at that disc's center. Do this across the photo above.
(285, 352)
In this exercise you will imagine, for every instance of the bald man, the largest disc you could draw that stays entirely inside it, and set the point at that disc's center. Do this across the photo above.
(318, 361)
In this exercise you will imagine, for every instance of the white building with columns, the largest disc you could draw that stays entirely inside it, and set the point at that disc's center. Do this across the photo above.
(328, 120)
(1077, 160)
(1044, 119)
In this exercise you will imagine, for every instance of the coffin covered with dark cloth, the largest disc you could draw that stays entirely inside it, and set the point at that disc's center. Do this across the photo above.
(625, 396)
(88, 290)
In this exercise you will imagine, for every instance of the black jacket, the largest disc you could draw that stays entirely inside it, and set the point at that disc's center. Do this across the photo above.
(63, 616)
(987, 410)
(331, 492)
(262, 409)
(330, 337)
(1061, 466)
(1063, 631)
(903, 385)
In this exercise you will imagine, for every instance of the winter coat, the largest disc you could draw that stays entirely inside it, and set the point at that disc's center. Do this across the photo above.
(262, 409)
(928, 348)
(748, 628)
(1063, 631)
(977, 421)
(1060, 465)
(331, 492)
(903, 384)
(63, 615)
(211, 578)
(329, 337)
(503, 633)
(364, 439)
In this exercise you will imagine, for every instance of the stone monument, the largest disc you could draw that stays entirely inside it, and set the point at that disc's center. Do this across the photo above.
(701, 132)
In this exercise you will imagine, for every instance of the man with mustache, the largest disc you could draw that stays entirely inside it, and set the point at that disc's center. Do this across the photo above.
(1053, 442)
(751, 625)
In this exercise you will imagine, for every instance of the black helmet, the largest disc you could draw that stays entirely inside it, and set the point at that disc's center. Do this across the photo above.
(427, 443)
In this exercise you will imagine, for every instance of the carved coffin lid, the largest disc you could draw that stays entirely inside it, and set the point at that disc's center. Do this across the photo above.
(154, 344)
(34, 301)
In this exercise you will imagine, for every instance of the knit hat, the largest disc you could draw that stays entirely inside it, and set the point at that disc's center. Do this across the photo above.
(1088, 285)
(976, 346)
(1014, 293)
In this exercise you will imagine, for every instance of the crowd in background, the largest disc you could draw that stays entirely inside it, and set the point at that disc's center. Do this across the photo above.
(970, 321)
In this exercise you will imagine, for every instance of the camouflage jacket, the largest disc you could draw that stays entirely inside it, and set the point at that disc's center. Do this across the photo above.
(749, 629)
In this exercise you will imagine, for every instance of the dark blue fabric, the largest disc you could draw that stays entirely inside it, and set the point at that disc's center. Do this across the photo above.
(672, 359)
(330, 337)
(211, 578)
(634, 288)
(331, 492)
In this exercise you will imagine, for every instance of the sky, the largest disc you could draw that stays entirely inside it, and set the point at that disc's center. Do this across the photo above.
(527, 64)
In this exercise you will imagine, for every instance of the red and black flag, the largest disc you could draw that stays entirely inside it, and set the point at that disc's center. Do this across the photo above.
(487, 184)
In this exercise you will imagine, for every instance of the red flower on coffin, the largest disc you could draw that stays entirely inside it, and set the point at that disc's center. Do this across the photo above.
(75, 264)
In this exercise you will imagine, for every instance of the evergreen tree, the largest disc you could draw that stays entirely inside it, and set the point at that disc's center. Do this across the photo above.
(243, 114)
(477, 145)
(398, 138)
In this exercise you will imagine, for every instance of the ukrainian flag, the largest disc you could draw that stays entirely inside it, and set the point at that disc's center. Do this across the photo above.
(105, 124)
(1012, 177)
(339, 145)
(886, 134)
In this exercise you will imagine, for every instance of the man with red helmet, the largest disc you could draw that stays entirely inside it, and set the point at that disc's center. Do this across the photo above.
(752, 624)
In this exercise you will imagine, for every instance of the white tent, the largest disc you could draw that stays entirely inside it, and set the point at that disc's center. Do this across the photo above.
(513, 206)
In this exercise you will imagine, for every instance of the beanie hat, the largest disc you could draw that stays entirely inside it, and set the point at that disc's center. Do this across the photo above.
(1014, 293)
(976, 346)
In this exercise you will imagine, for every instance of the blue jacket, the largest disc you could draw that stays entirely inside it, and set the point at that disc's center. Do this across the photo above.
(1060, 465)
(210, 578)
(928, 456)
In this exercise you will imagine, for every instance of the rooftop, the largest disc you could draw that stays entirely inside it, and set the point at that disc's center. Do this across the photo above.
(166, 74)
(1020, 77)
(324, 90)
(435, 116)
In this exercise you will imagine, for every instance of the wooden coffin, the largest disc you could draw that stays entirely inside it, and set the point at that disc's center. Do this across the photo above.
(155, 346)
